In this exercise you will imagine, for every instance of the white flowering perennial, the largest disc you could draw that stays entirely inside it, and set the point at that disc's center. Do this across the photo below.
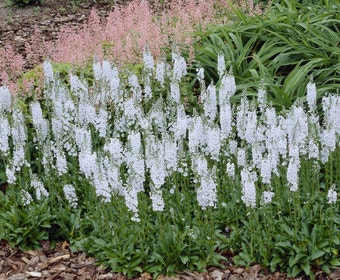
(220, 65)
(332, 195)
(5, 133)
(71, 196)
(248, 179)
(26, 197)
(121, 147)
(267, 197)
(39, 123)
(38, 185)
(48, 72)
(5, 99)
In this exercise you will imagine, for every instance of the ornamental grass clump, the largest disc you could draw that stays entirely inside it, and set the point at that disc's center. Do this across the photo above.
(129, 171)
(280, 49)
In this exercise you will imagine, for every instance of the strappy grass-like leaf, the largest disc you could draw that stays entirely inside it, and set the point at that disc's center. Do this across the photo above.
(282, 50)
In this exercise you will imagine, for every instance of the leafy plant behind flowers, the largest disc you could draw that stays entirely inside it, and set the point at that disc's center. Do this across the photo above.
(280, 49)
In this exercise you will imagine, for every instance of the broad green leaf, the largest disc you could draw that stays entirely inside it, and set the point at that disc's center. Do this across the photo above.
(335, 262)
(306, 268)
(317, 254)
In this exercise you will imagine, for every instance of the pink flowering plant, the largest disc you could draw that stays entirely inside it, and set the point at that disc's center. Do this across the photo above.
(121, 37)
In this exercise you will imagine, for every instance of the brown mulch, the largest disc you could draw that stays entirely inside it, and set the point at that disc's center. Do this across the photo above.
(60, 263)
(16, 27)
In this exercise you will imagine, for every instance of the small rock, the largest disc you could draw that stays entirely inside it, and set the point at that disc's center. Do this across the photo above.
(217, 275)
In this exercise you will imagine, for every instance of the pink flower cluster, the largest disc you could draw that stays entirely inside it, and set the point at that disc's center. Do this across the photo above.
(11, 65)
(123, 35)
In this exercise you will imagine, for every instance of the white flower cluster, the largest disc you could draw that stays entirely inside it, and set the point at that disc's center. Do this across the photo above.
(5, 99)
(5, 133)
(149, 145)
(26, 197)
(332, 195)
(248, 179)
(39, 187)
(71, 196)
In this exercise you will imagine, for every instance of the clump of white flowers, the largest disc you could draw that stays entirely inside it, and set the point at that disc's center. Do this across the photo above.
(122, 147)
(26, 197)
(71, 196)
(332, 195)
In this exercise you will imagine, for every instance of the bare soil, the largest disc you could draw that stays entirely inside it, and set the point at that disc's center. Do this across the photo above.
(16, 27)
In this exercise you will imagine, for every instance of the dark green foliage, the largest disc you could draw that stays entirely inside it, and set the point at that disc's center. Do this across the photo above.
(282, 50)
(26, 2)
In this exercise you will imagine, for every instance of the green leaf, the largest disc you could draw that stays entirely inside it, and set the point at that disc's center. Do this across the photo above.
(184, 259)
(157, 257)
(317, 254)
(306, 268)
(274, 262)
(295, 271)
(326, 269)
(283, 244)
(246, 257)
(335, 262)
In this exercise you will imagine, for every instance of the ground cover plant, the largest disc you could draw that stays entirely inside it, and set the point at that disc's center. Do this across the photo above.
(152, 167)
(125, 171)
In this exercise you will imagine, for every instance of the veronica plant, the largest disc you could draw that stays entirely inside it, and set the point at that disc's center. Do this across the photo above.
(151, 186)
